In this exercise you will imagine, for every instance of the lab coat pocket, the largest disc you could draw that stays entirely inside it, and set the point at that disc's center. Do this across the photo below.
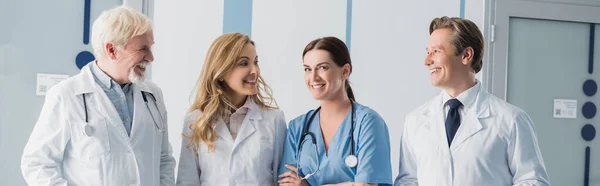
(90, 140)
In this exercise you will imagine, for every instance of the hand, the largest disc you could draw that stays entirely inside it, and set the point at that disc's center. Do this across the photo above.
(291, 178)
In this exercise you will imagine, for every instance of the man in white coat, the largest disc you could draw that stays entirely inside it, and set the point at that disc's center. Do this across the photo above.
(466, 136)
(105, 125)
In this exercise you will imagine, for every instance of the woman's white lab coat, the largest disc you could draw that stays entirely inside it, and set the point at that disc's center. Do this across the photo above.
(495, 145)
(251, 159)
(60, 153)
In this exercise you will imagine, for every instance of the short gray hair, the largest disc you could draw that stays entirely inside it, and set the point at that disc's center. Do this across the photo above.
(117, 26)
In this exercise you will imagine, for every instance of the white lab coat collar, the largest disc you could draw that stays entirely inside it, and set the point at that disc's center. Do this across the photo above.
(88, 85)
(248, 125)
(143, 87)
(254, 110)
(467, 98)
(470, 125)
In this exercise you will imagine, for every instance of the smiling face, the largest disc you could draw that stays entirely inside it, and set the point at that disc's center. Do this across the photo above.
(446, 69)
(323, 78)
(130, 61)
(242, 79)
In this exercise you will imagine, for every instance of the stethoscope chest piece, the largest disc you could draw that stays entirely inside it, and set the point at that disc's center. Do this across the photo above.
(88, 130)
(351, 161)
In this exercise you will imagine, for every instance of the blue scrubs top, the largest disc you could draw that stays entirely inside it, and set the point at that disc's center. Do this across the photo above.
(372, 146)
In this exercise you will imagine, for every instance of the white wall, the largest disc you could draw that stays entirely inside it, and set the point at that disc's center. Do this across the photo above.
(388, 45)
(183, 33)
(388, 48)
(280, 47)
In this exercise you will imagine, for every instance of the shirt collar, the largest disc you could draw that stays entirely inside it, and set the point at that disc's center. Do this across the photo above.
(466, 98)
(104, 80)
(247, 106)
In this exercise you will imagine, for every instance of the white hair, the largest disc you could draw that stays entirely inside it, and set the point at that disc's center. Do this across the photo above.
(117, 26)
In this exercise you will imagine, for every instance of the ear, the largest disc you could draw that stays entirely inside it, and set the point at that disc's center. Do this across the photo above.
(346, 70)
(111, 51)
(220, 87)
(221, 82)
(467, 56)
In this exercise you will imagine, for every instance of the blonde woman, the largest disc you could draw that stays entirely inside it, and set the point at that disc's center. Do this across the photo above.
(232, 133)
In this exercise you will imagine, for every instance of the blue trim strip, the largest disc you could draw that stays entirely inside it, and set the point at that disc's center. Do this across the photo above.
(237, 16)
(86, 22)
(591, 57)
(348, 23)
(586, 178)
(462, 8)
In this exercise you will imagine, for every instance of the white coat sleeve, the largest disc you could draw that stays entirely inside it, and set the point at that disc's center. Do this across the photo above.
(188, 173)
(281, 132)
(43, 154)
(407, 174)
(524, 156)
(167, 162)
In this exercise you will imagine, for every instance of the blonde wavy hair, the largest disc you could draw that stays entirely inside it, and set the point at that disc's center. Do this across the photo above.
(210, 99)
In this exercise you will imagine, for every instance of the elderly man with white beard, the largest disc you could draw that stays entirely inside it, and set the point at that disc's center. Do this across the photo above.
(105, 125)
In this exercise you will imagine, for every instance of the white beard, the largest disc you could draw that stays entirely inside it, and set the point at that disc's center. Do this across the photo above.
(133, 77)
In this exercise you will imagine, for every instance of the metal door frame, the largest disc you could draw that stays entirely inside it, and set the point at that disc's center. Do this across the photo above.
(496, 28)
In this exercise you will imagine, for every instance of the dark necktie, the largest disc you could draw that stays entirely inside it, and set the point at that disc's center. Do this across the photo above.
(453, 119)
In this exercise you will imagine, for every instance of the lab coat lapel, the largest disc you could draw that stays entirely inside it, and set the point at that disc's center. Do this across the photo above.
(248, 126)
(106, 106)
(141, 116)
(470, 124)
(222, 131)
(99, 100)
(432, 117)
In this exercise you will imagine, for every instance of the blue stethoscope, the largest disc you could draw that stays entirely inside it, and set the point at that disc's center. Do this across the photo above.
(350, 160)
(88, 130)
